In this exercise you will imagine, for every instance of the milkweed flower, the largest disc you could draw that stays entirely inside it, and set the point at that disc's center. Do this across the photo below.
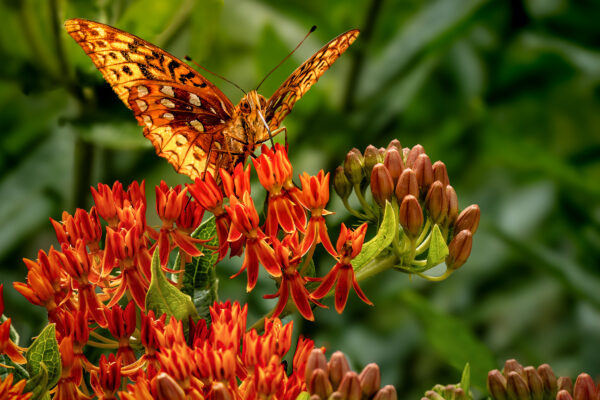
(315, 196)
(6, 344)
(11, 390)
(121, 325)
(348, 246)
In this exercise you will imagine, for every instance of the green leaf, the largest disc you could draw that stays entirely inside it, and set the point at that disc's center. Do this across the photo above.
(164, 298)
(438, 249)
(200, 280)
(382, 239)
(43, 353)
(303, 396)
(18, 371)
(465, 379)
(38, 384)
(451, 339)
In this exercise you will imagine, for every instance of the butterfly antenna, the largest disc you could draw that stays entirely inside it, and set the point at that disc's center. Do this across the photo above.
(288, 56)
(188, 58)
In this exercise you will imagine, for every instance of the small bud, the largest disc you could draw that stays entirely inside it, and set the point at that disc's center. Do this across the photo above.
(459, 249)
(371, 158)
(220, 392)
(452, 205)
(319, 384)
(512, 364)
(440, 173)
(496, 385)
(382, 185)
(341, 184)
(433, 395)
(381, 153)
(370, 379)
(336, 396)
(468, 219)
(395, 143)
(316, 360)
(413, 154)
(393, 162)
(168, 389)
(353, 166)
(407, 184)
(549, 380)
(564, 395)
(584, 388)
(535, 383)
(350, 386)
(388, 392)
(424, 172)
(411, 216)
(565, 383)
(459, 394)
(436, 202)
(516, 387)
(338, 366)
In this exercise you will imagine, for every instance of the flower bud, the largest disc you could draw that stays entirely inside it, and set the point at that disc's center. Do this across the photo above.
(336, 396)
(393, 162)
(371, 158)
(413, 154)
(350, 387)
(440, 173)
(395, 143)
(549, 380)
(338, 366)
(496, 385)
(436, 202)
(168, 389)
(220, 392)
(565, 383)
(316, 360)
(512, 365)
(424, 172)
(353, 166)
(584, 388)
(452, 205)
(388, 392)
(433, 395)
(563, 395)
(407, 184)
(411, 216)
(516, 387)
(319, 384)
(382, 185)
(341, 184)
(535, 383)
(459, 249)
(468, 219)
(370, 379)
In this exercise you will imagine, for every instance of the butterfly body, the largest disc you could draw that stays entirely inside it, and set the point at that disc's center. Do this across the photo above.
(189, 120)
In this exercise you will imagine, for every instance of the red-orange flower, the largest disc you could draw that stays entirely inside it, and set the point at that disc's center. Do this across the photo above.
(315, 196)
(13, 391)
(274, 172)
(244, 224)
(236, 184)
(6, 344)
(348, 246)
(83, 225)
(121, 325)
(109, 200)
(289, 256)
(107, 380)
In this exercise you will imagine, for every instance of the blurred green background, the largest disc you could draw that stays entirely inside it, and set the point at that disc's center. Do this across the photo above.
(506, 93)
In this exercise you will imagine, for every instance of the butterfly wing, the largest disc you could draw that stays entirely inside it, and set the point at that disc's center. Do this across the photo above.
(182, 112)
(297, 84)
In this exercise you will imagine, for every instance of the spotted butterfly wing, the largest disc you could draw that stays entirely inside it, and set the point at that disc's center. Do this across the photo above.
(300, 81)
(183, 114)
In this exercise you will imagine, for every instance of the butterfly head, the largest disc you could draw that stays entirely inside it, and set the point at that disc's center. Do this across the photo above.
(252, 103)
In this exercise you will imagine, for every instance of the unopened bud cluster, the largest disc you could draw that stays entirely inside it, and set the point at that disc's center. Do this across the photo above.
(520, 383)
(421, 194)
(334, 379)
(448, 392)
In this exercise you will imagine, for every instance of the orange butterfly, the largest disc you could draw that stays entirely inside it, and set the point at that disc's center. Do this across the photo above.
(189, 120)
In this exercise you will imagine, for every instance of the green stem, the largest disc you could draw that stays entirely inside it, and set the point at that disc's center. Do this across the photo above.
(436, 278)
(424, 244)
(353, 211)
(102, 345)
(363, 202)
(102, 338)
(376, 266)
(307, 259)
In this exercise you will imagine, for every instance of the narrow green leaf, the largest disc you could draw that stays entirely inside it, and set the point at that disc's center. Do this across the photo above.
(200, 280)
(43, 353)
(164, 298)
(382, 239)
(465, 380)
(452, 339)
(303, 396)
(38, 384)
(438, 249)
(18, 371)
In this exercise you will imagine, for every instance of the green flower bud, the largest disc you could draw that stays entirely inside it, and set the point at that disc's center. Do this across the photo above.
(407, 184)
(436, 202)
(350, 387)
(440, 173)
(371, 158)
(565, 383)
(496, 385)
(433, 395)
(338, 366)
(411, 216)
(341, 184)
(353, 166)
(382, 185)
(370, 379)
(393, 162)
(516, 387)
(468, 219)
(459, 250)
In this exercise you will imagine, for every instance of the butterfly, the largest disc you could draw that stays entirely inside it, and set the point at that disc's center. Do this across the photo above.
(189, 120)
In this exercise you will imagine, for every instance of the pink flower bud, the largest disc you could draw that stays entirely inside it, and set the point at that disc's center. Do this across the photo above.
(393, 162)
(436, 202)
(440, 173)
(459, 249)
(370, 379)
(350, 387)
(382, 185)
(388, 392)
(584, 388)
(535, 383)
(319, 384)
(371, 158)
(168, 389)
(407, 184)
(549, 380)
(452, 205)
(424, 171)
(316, 360)
(338, 366)
(496, 385)
(413, 154)
(468, 219)
(565, 383)
(516, 387)
(411, 216)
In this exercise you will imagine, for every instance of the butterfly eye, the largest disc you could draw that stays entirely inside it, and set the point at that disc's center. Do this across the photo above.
(245, 106)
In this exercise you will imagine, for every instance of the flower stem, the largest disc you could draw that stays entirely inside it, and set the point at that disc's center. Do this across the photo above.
(309, 257)
(352, 211)
(102, 345)
(363, 202)
(436, 278)
(102, 338)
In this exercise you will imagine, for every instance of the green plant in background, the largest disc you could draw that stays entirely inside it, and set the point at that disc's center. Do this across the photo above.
(504, 92)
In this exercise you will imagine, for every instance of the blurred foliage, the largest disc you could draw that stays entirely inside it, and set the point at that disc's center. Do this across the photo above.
(506, 93)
